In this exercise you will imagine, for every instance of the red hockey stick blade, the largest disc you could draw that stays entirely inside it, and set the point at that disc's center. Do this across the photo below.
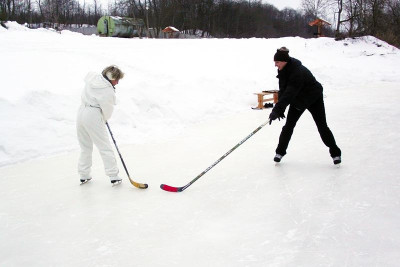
(170, 188)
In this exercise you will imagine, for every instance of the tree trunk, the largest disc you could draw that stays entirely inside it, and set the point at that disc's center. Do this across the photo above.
(340, 9)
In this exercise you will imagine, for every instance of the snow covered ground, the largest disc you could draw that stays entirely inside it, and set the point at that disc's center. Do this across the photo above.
(182, 105)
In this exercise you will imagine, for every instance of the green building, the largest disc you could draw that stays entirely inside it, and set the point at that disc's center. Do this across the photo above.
(114, 26)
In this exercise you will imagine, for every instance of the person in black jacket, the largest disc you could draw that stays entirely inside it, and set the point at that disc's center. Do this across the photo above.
(299, 89)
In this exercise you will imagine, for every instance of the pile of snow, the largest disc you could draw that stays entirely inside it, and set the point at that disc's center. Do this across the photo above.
(169, 84)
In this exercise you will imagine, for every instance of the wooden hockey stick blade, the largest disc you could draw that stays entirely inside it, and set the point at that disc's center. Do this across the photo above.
(138, 185)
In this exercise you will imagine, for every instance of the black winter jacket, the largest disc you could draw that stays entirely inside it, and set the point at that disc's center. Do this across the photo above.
(297, 87)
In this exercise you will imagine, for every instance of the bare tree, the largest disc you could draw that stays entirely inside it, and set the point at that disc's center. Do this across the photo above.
(316, 8)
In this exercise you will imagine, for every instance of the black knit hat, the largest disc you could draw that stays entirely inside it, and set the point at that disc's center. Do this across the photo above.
(282, 54)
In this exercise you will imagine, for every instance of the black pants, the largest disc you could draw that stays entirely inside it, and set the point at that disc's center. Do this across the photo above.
(317, 111)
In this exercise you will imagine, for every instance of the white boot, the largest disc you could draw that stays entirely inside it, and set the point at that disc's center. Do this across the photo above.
(115, 180)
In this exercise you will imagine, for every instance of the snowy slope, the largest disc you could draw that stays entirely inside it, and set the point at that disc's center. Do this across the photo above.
(183, 104)
(169, 85)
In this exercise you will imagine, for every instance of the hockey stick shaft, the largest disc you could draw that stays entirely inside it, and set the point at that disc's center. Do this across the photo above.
(138, 185)
(180, 189)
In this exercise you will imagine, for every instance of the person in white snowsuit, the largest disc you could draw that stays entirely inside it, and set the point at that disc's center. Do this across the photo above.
(98, 100)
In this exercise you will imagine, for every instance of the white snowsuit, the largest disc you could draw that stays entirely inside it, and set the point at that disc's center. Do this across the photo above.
(98, 100)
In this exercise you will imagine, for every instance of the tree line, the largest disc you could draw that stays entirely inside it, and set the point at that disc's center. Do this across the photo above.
(52, 12)
(216, 18)
(222, 18)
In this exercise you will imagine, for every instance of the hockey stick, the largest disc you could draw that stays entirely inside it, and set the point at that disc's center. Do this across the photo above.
(180, 189)
(135, 184)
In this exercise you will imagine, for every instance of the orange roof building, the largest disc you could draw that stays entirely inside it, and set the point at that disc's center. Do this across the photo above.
(171, 32)
(319, 23)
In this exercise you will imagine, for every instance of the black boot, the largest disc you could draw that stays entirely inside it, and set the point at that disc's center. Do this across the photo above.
(278, 158)
(337, 160)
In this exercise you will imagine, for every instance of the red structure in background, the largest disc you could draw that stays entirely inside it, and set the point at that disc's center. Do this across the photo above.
(171, 32)
(319, 23)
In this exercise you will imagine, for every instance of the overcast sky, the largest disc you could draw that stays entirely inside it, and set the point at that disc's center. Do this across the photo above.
(281, 4)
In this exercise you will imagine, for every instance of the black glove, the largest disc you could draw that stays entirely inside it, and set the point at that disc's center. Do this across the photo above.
(275, 115)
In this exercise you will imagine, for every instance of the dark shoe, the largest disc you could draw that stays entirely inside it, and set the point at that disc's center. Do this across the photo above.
(268, 105)
(337, 160)
(278, 158)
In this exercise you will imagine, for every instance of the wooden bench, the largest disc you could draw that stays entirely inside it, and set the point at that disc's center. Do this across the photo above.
(261, 100)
